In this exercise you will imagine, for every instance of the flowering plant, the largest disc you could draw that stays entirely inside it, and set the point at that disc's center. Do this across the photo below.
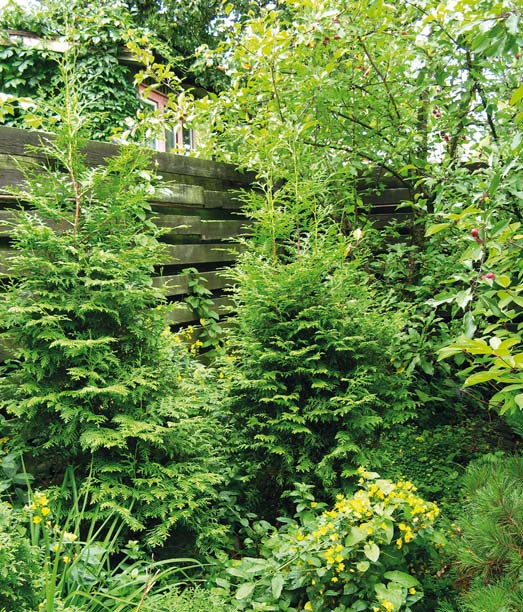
(364, 553)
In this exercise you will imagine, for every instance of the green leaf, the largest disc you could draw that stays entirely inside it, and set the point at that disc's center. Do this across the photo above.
(362, 566)
(402, 578)
(434, 229)
(480, 377)
(463, 298)
(469, 324)
(503, 280)
(517, 95)
(277, 583)
(519, 400)
(372, 551)
(448, 351)
(355, 536)
(389, 530)
(245, 590)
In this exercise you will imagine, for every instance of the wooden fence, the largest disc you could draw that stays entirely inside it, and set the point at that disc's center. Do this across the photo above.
(201, 211)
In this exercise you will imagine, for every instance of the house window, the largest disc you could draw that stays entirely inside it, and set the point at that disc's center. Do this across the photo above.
(177, 138)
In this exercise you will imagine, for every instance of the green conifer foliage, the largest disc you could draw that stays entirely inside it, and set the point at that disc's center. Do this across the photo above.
(313, 383)
(96, 374)
(489, 549)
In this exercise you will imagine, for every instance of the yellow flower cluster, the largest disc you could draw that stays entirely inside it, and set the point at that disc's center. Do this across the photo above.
(346, 537)
(40, 508)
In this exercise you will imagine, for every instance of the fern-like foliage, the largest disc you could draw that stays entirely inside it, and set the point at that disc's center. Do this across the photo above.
(313, 383)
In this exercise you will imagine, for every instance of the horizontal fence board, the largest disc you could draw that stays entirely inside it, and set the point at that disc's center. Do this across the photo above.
(5, 254)
(14, 141)
(174, 225)
(183, 314)
(387, 196)
(178, 284)
(6, 219)
(218, 229)
(178, 194)
(181, 254)
(222, 199)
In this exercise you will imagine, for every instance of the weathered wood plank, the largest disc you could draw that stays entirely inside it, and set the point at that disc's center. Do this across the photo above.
(177, 284)
(218, 229)
(387, 196)
(14, 141)
(177, 193)
(379, 221)
(183, 314)
(177, 254)
(181, 254)
(5, 254)
(179, 224)
(6, 219)
(222, 199)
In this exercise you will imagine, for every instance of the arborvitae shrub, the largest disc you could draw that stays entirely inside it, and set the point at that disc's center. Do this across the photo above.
(312, 380)
(96, 375)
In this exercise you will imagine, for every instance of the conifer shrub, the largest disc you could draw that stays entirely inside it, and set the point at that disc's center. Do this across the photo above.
(96, 376)
(312, 383)
(488, 548)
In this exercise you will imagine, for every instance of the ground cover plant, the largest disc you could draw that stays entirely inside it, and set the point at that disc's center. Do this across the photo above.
(351, 348)
(355, 555)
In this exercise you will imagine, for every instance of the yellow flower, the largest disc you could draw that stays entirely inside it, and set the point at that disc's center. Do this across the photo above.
(314, 504)
(37, 519)
(45, 511)
(334, 579)
(307, 606)
(412, 591)
(69, 537)
(41, 499)
(66, 559)
(389, 606)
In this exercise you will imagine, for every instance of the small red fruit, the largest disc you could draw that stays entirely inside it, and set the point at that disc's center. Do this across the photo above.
(475, 234)
(337, 37)
(489, 275)
(326, 40)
